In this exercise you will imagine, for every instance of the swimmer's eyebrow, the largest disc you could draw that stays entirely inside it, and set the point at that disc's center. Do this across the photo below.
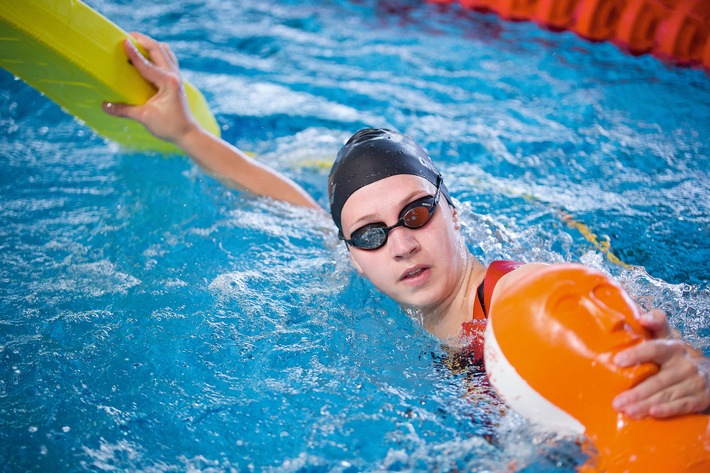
(372, 217)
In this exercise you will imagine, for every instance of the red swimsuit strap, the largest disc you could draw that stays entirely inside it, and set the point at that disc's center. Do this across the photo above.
(473, 329)
(496, 270)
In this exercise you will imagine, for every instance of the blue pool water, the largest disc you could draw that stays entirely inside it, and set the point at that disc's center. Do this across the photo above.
(152, 320)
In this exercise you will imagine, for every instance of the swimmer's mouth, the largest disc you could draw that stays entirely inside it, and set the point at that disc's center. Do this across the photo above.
(413, 272)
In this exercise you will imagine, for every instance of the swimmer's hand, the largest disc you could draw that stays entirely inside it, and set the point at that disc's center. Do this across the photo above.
(682, 385)
(167, 114)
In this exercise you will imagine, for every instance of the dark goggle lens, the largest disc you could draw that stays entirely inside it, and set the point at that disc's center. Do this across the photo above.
(369, 237)
(418, 216)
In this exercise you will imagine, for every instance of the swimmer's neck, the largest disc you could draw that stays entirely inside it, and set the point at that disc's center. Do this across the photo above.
(444, 319)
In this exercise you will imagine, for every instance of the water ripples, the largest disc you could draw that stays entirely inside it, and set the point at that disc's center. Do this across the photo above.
(152, 320)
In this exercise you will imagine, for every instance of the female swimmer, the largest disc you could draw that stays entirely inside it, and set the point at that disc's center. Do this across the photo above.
(395, 215)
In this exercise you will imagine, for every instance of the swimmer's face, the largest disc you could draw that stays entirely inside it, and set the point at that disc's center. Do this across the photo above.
(573, 320)
(416, 267)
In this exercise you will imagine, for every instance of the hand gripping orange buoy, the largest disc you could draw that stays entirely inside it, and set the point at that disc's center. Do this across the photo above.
(550, 341)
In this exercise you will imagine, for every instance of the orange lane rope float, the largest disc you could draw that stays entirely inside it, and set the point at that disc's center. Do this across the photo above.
(550, 341)
(674, 30)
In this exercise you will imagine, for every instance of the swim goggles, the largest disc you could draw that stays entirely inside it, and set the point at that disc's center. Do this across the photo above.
(414, 216)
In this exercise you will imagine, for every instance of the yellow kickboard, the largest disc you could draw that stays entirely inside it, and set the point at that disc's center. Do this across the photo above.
(75, 56)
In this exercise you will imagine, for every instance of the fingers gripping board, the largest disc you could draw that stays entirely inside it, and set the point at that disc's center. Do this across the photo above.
(75, 56)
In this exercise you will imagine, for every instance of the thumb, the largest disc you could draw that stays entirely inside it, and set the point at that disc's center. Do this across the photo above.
(656, 322)
(120, 110)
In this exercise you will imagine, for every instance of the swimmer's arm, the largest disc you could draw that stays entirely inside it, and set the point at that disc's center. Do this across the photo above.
(167, 116)
(237, 170)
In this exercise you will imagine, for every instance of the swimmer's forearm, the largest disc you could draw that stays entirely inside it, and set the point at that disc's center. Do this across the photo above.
(167, 116)
(233, 167)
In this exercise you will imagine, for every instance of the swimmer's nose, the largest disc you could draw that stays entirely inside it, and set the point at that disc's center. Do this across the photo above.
(402, 242)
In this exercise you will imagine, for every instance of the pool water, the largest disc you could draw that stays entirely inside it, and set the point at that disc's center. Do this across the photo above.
(152, 320)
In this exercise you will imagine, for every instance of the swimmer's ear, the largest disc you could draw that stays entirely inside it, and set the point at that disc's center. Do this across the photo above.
(356, 265)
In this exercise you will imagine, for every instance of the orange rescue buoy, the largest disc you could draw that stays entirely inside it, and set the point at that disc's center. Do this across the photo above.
(550, 340)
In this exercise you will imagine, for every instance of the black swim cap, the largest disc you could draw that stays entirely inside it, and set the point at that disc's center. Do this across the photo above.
(372, 154)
